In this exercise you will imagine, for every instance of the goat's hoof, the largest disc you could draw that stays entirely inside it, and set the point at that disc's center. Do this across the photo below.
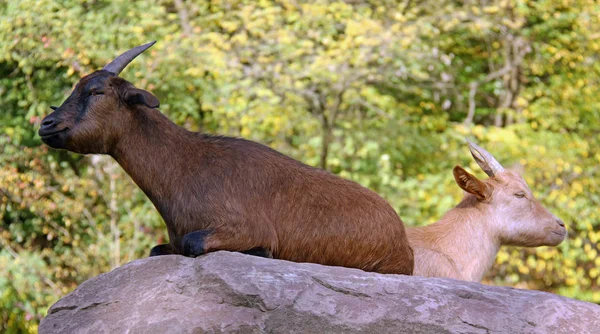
(259, 251)
(164, 249)
(193, 243)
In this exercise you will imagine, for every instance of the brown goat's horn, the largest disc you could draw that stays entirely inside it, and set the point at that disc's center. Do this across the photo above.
(485, 159)
(117, 65)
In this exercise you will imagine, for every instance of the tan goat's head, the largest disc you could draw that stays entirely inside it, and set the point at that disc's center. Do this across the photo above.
(515, 215)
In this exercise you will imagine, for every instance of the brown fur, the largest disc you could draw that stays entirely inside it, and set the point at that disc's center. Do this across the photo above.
(246, 193)
(464, 243)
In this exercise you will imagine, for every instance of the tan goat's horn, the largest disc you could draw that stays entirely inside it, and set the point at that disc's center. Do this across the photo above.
(485, 159)
(117, 65)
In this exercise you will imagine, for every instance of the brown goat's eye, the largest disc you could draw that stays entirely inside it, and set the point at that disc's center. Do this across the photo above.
(520, 194)
(96, 92)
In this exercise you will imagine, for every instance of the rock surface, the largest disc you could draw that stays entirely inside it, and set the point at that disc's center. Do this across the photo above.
(231, 292)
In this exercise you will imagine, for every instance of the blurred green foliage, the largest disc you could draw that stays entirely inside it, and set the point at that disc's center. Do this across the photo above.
(381, 92)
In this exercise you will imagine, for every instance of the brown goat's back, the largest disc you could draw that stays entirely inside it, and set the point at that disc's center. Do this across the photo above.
(300, 213)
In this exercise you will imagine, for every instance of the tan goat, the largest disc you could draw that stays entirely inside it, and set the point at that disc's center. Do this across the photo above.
(498, 211)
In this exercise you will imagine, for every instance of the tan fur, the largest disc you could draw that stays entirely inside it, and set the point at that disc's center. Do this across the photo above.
(464, 243)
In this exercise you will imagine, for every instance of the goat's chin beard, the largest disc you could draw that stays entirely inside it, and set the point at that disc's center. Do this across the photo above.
(56, 140)
(64, 141)
(556, 237)
(548, 237)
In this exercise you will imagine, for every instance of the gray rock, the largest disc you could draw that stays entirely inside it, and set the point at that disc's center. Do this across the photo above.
(236, 293)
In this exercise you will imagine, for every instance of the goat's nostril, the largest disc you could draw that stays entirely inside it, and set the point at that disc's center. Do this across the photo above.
(560, 222)
(47, 122)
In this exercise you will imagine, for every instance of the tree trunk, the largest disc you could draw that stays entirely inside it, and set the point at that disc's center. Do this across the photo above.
(325, 144)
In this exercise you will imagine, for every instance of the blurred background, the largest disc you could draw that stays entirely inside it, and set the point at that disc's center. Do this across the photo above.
(380, 92)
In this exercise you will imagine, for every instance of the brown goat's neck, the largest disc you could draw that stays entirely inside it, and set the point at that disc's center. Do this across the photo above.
(152, 149)
(462, 239)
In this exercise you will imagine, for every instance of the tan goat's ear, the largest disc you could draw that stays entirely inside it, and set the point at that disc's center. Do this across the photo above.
(140, 96)
(472, 184)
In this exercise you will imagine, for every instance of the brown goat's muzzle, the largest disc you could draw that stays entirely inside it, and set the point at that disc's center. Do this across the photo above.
(52, 132)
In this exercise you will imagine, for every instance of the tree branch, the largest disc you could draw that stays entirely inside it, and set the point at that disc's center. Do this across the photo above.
(183, 17)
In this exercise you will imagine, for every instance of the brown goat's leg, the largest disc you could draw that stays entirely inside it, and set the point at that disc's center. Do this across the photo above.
(200, 242)
(193, 243)
(164, 249)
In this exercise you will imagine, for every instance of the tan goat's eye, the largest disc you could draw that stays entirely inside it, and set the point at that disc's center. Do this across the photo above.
(520, 194)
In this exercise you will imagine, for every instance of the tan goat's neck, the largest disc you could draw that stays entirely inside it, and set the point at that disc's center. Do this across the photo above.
(462, 238)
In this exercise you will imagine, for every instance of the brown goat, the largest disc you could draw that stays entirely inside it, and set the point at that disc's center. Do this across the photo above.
(495, 212)
(219, 193)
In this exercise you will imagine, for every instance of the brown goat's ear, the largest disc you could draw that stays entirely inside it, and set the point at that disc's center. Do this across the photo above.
(140, 96)
(472, 184)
